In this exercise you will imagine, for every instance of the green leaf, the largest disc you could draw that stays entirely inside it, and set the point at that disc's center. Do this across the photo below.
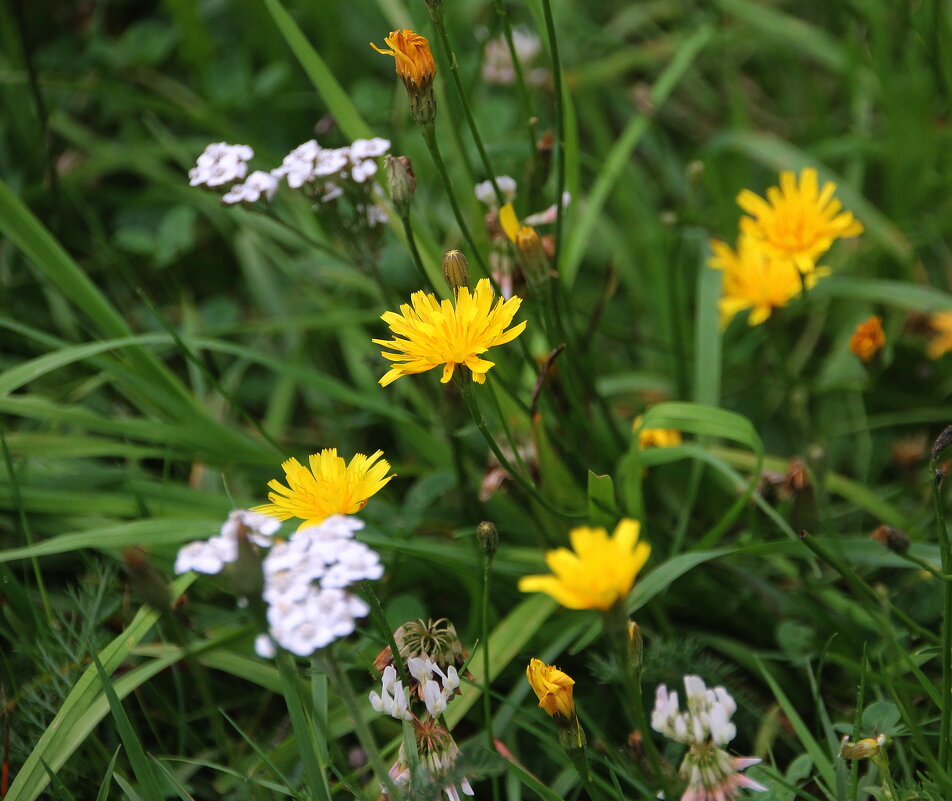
(602, 509)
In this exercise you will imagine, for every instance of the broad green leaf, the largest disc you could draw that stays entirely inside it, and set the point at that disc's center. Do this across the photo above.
(602, 508)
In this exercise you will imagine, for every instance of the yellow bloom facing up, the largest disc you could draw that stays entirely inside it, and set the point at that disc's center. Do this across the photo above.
(598, 572)
(552, 687)
(429, 332)
(868, 338)
(798, 220)
(655, 437)
(412, 57)
(756, 280)
(942, 341)
(329, 487)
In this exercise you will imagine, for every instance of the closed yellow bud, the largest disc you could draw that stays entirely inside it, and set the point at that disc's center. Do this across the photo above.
(552, 687)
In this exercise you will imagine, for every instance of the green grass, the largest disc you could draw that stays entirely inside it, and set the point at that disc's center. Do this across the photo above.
(161, 354)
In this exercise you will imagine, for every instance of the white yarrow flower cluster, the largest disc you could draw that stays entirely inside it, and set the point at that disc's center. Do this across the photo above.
(705, 726)
(305, 581)
(210, 556)
(220, 163)
(257, 184)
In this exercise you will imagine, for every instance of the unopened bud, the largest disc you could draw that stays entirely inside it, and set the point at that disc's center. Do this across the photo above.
(863, 749)
(636, 646)
(401, 182)
(532, 256)
(895, 539)
(488, 537)
(455, 270)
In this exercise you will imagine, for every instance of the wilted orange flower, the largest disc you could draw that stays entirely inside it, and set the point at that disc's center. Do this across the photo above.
(798, 221)
(412, 57)
(552, 687)
(942, 341)
(868, 338)
(430, 333)
(756, 280)
(329, 487)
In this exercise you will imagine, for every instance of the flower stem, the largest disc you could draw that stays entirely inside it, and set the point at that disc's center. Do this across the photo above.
(428, 131)
(945, 721)
(559, 127)
(436, 14)
(484, 641)
(414, 251)
(380, 619)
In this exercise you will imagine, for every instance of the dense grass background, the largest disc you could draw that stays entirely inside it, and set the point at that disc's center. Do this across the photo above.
(161, 354)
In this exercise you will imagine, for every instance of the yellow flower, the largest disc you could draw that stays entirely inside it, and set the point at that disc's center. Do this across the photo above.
(756, 280)
(942, 341)
(412, 57)
(797, 221)
(598, 572)
(431, 333)
(655, 437)
(552, 687)
(868, 338)
(329, 487)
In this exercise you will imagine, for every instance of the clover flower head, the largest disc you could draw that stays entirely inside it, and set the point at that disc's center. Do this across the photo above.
(392, 699)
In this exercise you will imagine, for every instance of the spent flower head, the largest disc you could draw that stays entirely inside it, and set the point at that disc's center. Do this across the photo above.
(416, 68)
(598, 572)
(868, 338)
(799, 220)
(429, 333)
(327, 486)
(552, 687)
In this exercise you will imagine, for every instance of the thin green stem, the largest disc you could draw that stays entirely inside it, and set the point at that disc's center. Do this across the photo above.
(484, 641)
(521, 83)
(414, 251)
(559, 127)
(436, 14)
(945, 722)
(429, 137)
(377, 613)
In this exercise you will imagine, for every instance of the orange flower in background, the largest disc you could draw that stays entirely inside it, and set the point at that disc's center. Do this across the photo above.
(942, 341)
(799, 220)
(756, 280)
(552, 687)
(412, 57)
(655, 437)
(868, 338)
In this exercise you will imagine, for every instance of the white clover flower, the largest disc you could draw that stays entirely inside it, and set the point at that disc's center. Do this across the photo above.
(220, 163)
(257, 184)
(486, 195)
(392, 699)
(436, 695)
(210, 556)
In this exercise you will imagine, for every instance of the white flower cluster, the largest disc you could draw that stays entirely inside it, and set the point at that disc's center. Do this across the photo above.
(439, 764)
(220, 163)
(497, 58)
(708, 714)
(435, 696)
(305, 581)
(486, 195)
(329, 171)
(210, 556)
(392, 699)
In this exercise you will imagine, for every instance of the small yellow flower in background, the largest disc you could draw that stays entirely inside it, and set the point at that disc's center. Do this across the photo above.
(798, 221)
(942, 341)
(430, 332)
(329, 487)
(756, 280)
(552, 687)
(655, 437)
(412, 57)
(509, 222)
(868, 338)
(598, 572)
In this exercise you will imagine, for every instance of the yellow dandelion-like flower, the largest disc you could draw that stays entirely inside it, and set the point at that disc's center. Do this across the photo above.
(598, 572)
(429, 332)
(756, 280)
(412, 57)
(942, 341)
(868, 338)
(655, 437)
(798, 220)
(552, 687)
(328, 486)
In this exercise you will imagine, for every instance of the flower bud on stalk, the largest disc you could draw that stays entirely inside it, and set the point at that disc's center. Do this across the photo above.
(532, 256)
(401, 181)
(416, 68)
(553, 688)
(455, 270)
(488, 537)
